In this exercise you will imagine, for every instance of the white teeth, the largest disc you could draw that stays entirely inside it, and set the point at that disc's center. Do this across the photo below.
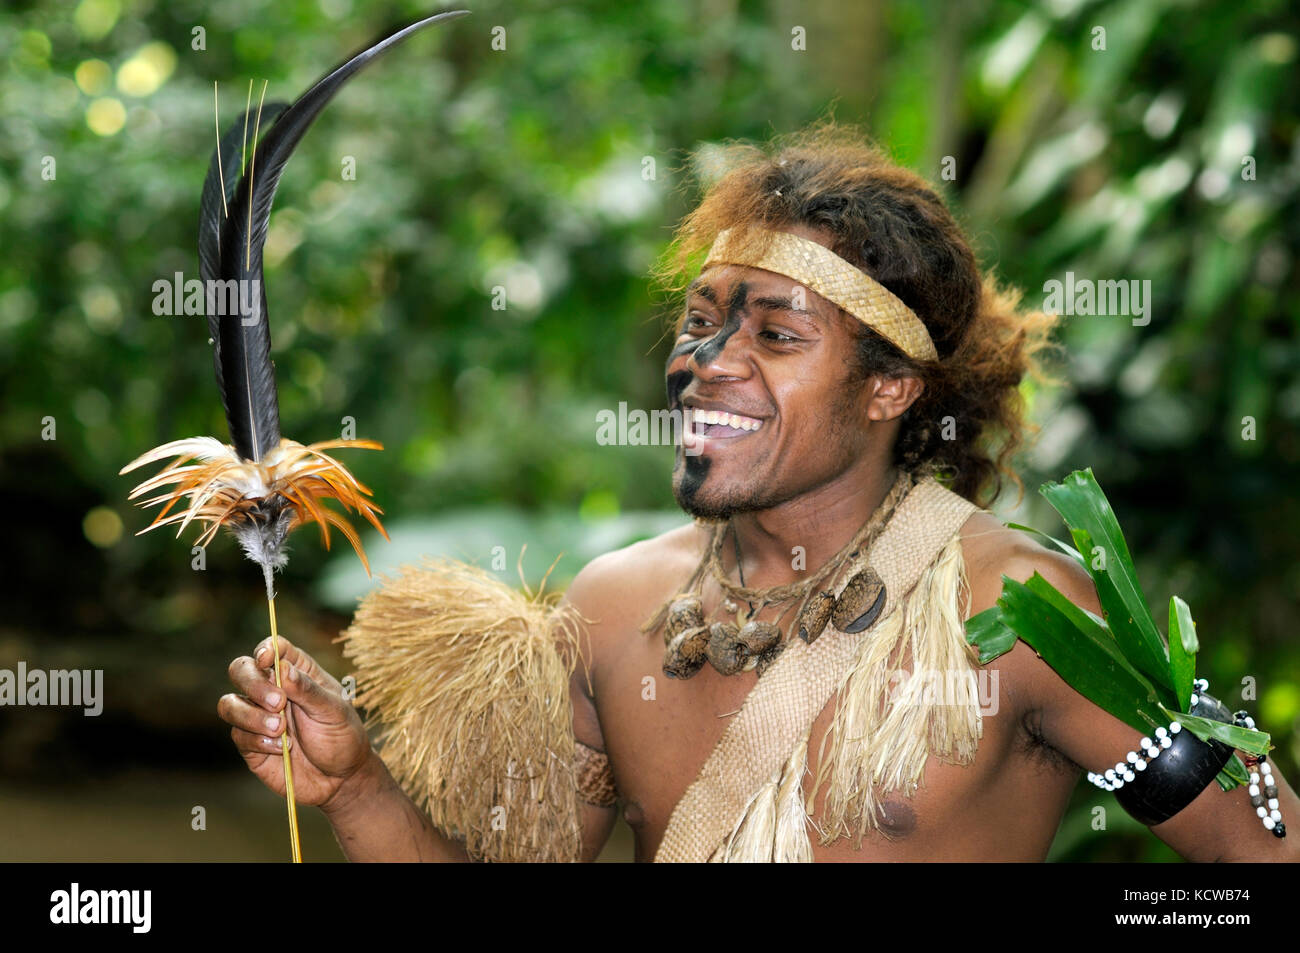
(734, 421)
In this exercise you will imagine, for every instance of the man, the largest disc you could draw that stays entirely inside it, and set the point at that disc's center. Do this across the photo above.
(837, 351)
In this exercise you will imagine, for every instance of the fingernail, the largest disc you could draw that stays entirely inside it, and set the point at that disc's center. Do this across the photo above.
(293, 673)
(273, 699)
(273, 722)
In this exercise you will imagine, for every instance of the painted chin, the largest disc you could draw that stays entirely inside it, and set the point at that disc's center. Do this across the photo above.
(703, 491)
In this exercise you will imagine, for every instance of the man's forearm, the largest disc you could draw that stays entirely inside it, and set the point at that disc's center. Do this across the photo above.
(374, 820)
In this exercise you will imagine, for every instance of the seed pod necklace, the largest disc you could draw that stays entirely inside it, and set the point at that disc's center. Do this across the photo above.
(749, 643)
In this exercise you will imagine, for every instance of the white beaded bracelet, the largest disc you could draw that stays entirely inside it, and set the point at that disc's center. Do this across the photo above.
(1124, 771)
(1263, 788)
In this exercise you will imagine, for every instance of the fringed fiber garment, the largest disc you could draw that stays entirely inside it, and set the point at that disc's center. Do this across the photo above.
(734, 810)
(873, 747)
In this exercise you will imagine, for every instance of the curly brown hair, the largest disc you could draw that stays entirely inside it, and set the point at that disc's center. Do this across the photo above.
(970, 418)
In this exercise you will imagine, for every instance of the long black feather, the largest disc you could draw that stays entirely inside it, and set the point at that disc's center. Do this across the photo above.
(243, 340)
(214, 206)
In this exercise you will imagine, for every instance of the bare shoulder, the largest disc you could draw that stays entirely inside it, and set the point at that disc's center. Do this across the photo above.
(615, 593)
(992, 550)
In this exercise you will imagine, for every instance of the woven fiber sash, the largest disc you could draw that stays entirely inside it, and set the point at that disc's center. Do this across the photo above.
(795, 689)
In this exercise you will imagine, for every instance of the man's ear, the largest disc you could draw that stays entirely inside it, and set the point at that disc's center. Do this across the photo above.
(891, 396)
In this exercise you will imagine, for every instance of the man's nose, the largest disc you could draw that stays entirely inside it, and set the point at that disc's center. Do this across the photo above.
(726, 354)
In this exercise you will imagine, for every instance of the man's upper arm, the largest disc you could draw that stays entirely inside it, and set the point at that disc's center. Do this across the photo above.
(597, 821)
(1218, 825)
(587, 594)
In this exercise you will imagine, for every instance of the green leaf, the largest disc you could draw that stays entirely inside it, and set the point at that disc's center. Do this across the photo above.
(1092, 628)
(990, 634)
(1122, 626)
(1235, 772)
(1183, 647)
(1247, 739)
(1092, 625)
(1085, 509)
(1085, 657)
(1063, 547)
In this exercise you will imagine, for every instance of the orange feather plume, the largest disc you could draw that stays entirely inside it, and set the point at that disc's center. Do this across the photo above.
(259, 502)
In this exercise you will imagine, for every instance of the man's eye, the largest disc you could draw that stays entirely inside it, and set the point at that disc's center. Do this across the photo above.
(778, 338)
(696, 322)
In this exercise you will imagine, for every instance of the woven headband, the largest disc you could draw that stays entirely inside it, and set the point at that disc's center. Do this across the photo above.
(817, 267)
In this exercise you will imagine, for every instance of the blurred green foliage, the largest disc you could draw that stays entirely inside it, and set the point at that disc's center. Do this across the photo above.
(1171, 155)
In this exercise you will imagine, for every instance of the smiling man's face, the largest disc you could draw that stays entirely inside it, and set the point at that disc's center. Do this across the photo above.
(768, 384)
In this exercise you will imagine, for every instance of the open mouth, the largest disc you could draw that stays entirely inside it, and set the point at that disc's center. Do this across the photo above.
(719, 423)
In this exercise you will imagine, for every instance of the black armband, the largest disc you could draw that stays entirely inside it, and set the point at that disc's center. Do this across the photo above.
(1182, 771)
(1170, 771)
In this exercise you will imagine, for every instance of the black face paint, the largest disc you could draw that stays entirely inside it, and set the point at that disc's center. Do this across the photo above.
(711, 348)
(694, 471)
(686, 347)
(676, 383)
(695, 468)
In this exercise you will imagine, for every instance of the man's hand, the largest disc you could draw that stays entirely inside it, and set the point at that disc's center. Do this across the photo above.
(327, 743)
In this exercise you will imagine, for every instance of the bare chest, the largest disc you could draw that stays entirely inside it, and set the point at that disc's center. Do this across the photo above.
(659, 732)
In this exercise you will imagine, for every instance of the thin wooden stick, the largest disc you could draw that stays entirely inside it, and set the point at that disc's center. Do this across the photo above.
(295, 845)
